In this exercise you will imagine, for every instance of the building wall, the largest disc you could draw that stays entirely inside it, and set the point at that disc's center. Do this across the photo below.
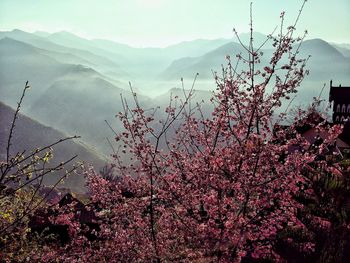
(340, 96)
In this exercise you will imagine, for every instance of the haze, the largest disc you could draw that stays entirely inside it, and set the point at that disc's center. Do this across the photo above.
(158, 23)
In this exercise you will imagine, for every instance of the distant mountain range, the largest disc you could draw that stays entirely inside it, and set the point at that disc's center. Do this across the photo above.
(77, 83)
(326, 61)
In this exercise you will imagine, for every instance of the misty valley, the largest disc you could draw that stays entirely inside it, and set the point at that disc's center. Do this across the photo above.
(77, 84)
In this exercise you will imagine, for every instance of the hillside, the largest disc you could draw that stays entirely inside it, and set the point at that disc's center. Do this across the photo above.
(187, 67)
(71, 98)
(79, 103)
(30, 134)
(102, 63)
(343, 48)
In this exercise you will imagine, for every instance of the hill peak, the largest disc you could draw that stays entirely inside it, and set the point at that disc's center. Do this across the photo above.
(65, 34)
(17, 31)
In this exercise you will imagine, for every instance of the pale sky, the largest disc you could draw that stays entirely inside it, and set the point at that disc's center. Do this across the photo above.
(162, 22)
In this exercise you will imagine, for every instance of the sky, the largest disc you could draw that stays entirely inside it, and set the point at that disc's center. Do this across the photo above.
(158, 23)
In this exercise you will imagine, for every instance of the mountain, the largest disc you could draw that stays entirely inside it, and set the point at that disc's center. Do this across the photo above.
(151, 61)
(79, 102)
(30, 135)
(321, 50)
(132, 59)
(41, 33)
(107, 56)
(325, 61)
(343, 48)
(70, 40)
(71, 98)
(20, 62)
(258, 40)
(187, 48)
(195, 47)
(187, 67)
(104, 64)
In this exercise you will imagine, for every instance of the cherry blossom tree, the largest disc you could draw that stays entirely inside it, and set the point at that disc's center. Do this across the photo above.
(199, 187)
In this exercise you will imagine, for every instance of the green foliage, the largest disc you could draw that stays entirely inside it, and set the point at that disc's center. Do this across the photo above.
(345, 163)
(21, 179)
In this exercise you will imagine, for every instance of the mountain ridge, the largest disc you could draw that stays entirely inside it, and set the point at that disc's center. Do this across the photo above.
(30, 134)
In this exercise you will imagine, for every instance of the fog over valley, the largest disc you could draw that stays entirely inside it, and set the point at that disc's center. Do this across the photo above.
(77, 83)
